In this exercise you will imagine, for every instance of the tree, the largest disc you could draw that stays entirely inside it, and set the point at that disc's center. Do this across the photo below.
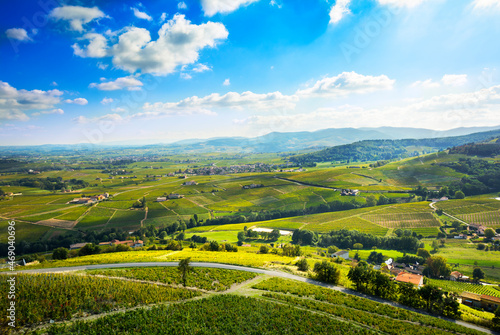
(180, 237)
(302, 264)
(89, 249)
(459, 195)
(371, 201)
(382, 200)
(60, 253)
(184, 269)
(456, 225)
(489, 233)
(163, 234)
(432, 296)
(436, 267)
(360, 275)
(421, 252)
(477, 274)
(357, 246)
(327, 272)
(241, 236)
(263, 249)
(214, 246)
(275, 234)
(496, 319)
(435, 245)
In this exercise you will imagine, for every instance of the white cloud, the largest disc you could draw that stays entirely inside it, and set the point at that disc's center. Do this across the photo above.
(141, 15)
(53, 83)
(102, 66)
(14, 101)
(226, 82)
(77, 101)
(486, 4)
(163, 17)
(266, 101)
(179, 43)
(130, 83)
(339, 10)
(76, 15)
(119, 110)
(108, 117)
(201, 68)
(429, 83)
(182, 5)
(19, 34)
(212, 7)
(54, 111)
(347, 83)
(401, 3)
(454, 79)
(186, 76)
(96, 48)
(106, 101)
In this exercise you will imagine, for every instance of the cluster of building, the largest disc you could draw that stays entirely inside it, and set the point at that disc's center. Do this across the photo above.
(130, 243)
(246, 187)
(90, 200)
(484, 301)
(170, 196)
(348, 192)
(189, 183)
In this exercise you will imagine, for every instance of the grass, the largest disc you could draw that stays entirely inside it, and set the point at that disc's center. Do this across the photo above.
(127, 220)
(97, 216)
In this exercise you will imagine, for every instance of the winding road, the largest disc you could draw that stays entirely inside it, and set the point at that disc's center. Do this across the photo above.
(273, 273)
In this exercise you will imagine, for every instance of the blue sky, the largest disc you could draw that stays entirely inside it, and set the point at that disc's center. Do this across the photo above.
(161, 71)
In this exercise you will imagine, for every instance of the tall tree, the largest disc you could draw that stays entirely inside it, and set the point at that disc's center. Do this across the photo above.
(184, 269)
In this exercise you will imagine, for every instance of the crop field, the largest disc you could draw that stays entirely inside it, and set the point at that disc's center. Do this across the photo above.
(459, 287)
(241, 257)
(128, 220)
(219, 314)
(209, 279)
(413, 220)
(116, 204)
(489, 219)
(376, 316)
(97, 216)
(352, 223)
(44, 297)
(156, 210)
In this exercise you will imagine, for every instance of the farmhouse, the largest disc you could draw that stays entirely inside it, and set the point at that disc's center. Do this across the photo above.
(189, 183)
(130, 243)
(246, 187)
(457, 276)
(175, 196)
(484, 301)
(77, 245)
(349, 192)
(342, 254)
(160, 199)
(415, 279)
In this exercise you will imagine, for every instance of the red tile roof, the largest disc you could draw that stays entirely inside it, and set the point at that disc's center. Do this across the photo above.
(406, 277)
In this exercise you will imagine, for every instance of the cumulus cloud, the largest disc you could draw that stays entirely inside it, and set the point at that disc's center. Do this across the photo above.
(77, 16)
(19, 34)
(212, 7)
(234, 100)
(401, 3)
(454, 79)
(130, 83)
(182, 5)
(179, 43)
(108, 117)
(201, 68)
(347, 83)
(54, 111)
(13, 101)
(141, 15)
(96, 48)
(339, 10)
(486, 4)
(226, 82)
(442, 111)
(77, 101)
(106, 101)
(427, 84)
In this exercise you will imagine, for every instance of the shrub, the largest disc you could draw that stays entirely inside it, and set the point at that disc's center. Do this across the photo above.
(302, 265)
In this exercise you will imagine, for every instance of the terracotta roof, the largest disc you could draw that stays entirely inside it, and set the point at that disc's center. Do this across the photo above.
(490, 298)
(470, 295)
(406, 277)
(456, 274)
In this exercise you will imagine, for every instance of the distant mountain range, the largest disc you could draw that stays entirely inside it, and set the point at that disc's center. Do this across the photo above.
(295, 141)
(276, 141)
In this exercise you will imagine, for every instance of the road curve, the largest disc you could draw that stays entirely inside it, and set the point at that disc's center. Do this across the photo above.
(248, 269)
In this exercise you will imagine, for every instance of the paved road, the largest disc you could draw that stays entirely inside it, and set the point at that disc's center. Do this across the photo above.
(255, 270)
